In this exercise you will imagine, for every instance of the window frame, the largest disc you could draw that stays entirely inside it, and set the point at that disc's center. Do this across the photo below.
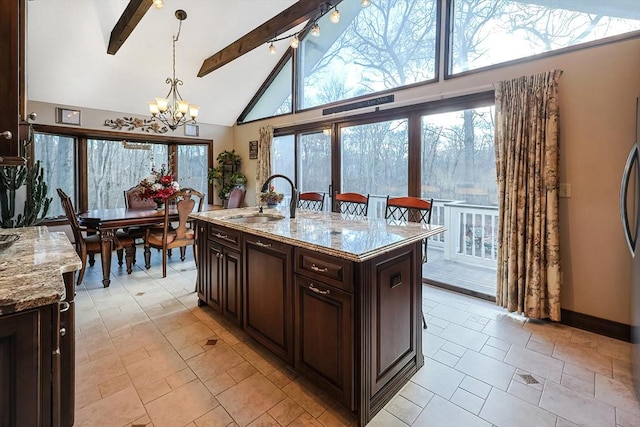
(412, 113)
(442, 64)
(81, 136)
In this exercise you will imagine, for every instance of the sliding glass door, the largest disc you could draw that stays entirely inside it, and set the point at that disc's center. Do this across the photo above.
(458, 172)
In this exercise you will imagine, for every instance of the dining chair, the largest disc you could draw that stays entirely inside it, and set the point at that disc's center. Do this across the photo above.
(132, 200)
(311, 200)
(410, 209)
(236, 198)
(87, 244)
(166, 238)
(352, 203)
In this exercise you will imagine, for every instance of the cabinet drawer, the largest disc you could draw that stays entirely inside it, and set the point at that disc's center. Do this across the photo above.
(331, 270)
(225, 236)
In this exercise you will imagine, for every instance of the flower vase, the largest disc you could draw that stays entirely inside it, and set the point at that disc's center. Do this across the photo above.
(272, 204)
(159, 205)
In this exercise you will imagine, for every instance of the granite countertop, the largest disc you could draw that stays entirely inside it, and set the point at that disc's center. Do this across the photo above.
(352, 238)
(31, 269)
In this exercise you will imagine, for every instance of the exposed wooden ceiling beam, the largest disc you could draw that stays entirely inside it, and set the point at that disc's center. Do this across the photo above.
(131, 16)
(299, 12)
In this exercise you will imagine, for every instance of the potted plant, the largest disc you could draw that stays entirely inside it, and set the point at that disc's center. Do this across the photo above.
(271, 197)
(227, 157)
(226, 175)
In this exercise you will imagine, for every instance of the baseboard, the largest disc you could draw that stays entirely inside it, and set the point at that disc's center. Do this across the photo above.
(608, 328)
(600, 326)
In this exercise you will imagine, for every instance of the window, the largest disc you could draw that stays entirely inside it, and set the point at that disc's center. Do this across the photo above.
(192, 167)
(111, 169)
(458, 156)
(283, 162)
(389, 44)
(314, 162)
(488, 32)
(375, 161)
(57, 156)
(276, 99)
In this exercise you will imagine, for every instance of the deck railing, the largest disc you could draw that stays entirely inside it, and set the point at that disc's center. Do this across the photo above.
(472, 230)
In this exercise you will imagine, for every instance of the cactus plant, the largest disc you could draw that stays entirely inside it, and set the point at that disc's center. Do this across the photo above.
(36, 204)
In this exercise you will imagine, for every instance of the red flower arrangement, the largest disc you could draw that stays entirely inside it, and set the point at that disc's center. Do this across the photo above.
(158, 186)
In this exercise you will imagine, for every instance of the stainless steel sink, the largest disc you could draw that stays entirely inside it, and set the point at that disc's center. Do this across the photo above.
(255, 219)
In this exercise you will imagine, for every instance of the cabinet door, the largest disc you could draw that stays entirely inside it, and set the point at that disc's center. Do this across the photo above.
(232, 285)
(395, 312)
(214, 275)
(26, 369)
(12, 33)
(268, 295)
(202, 258)
(324, 338)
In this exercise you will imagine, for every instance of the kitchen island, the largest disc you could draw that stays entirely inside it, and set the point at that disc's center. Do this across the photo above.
(338, 298)
(37, 341)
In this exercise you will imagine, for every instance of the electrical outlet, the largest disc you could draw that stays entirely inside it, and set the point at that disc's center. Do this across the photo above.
(565, 190)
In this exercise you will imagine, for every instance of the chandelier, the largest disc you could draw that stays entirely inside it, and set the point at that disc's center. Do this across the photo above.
(172, 110)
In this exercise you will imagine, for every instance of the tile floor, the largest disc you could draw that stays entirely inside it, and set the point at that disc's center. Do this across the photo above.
(148, 356)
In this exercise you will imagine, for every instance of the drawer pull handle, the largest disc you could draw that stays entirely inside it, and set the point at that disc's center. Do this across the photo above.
(64, 306)
(263, 245)
(318, 291)
(319, 269)
(221, 236)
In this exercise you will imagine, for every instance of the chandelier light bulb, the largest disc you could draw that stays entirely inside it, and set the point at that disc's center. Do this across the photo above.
(335, 16)
(315, 30)
(294, 42)
(158, 4)
(272, 49)
(163, 104)
(365, 3)
(153, 108)
(193, 111)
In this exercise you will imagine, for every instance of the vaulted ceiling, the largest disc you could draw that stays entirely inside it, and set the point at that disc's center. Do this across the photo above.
(68, 63)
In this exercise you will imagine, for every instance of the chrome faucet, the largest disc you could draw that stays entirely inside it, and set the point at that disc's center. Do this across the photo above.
(294, 193)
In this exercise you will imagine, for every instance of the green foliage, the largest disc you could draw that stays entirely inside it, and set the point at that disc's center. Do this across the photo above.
(36, 204)
(225, 176)
(229, 158)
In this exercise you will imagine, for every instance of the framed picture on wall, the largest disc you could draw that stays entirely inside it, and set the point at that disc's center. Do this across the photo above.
(253, 149)
(191, 130)
(67, 116)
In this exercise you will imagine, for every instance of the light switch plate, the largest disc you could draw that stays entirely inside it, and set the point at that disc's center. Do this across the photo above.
(565, 190)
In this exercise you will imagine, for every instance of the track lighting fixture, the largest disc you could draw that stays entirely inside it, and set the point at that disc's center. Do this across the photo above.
(312, 26)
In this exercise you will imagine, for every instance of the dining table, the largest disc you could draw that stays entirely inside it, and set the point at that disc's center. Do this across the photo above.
(107, 222)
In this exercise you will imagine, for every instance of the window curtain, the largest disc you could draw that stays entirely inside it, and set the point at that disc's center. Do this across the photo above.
(526, 143)
(263, 170)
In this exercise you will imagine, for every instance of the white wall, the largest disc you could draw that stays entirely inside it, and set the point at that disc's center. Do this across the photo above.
(598, 92)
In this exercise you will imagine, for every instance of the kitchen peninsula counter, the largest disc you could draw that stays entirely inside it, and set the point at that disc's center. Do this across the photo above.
(338, 298)
(31, 269)
(37, 328)
(348, 237)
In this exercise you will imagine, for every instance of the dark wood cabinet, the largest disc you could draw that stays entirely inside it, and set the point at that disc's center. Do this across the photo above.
(29, 362)
(324, 310)
(202, 259)
(12, 76)
(392, 324)
(232, 285)
(268, 295)
(353, 327)
(222, 271)
(324, 337)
